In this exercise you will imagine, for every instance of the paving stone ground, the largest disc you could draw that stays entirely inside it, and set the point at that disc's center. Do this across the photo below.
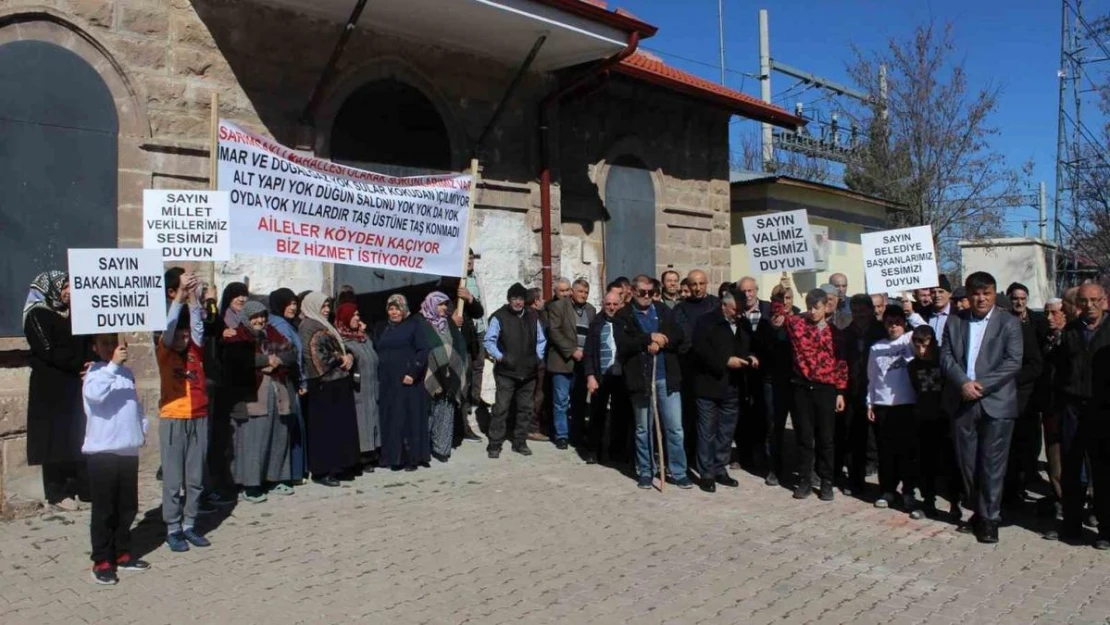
(549, 539)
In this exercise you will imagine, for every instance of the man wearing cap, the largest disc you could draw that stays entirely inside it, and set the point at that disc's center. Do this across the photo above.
(959, 299)
(515, 341)
(937, 314)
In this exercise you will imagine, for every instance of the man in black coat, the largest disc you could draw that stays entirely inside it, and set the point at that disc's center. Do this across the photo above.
(721, 350)
(605, 384)
(1082, 397)
(853, 427)
(648, 343)
(686, 314)
(751, 432)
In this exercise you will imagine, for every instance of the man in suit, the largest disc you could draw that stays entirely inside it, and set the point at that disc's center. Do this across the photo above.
(980, 359)
(568, 325)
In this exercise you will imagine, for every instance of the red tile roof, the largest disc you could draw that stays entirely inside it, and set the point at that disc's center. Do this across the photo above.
(649, 68)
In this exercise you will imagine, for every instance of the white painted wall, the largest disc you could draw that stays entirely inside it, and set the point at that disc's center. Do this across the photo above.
(1012, 260)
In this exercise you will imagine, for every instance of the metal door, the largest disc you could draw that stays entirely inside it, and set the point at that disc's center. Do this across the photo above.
(630, 230)
(58, 166)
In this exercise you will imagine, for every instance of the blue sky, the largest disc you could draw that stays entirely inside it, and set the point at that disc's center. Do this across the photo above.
(1014, 43)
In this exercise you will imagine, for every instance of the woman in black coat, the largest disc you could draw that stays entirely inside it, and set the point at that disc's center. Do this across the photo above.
(55, 413)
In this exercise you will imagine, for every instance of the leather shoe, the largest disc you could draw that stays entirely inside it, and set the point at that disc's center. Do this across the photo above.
(561, 443)
(470, 435)
(536, 437)
(522, 449)
(727, 480)
(987, 532)
(969, 527)
(708, 486)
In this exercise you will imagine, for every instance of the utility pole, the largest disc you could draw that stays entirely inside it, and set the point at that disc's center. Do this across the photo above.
(765, 86)
(721, 35)
(1042, 199)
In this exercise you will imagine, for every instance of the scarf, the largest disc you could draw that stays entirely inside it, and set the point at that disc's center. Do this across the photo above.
(46, 293)
(313, 303)
(430, 310)
(233, 290)
(399, 301)
(447, 361)
(343, 316)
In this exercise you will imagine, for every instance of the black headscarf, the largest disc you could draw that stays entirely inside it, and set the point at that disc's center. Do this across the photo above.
(280, 300)
(232, 291)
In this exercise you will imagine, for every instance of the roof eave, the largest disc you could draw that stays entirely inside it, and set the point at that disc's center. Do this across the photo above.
(750, 110)
(602, 15)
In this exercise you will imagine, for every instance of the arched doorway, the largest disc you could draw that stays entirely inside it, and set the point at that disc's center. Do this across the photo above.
(58, 166)
(390, 127)
(630, 230)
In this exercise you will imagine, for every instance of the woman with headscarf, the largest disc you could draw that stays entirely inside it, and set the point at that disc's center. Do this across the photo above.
(285, 316)
(353, 331)
(260, 423)
(445, 379)
(402, 347)
(233, 354)
(55, 412)
(333, 450)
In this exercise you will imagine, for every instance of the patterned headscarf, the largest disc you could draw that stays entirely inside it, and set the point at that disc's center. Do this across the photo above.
(343, 316)
(430, 310)
(400, 302)
(310, 308)
(46, 292)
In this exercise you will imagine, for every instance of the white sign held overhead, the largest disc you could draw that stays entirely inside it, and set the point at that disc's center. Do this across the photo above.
(780, 242)
(901, 260)
(114, 290)
(187, 225)
(293, 205)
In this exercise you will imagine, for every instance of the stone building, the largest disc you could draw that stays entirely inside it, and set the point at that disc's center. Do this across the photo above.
(597, 159)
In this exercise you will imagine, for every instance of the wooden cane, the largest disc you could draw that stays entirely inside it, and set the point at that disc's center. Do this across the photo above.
(658, 427)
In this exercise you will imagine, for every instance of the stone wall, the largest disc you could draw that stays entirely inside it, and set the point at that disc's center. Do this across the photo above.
(164, 59)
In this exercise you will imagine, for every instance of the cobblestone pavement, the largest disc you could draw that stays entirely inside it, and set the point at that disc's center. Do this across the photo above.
(551, 540)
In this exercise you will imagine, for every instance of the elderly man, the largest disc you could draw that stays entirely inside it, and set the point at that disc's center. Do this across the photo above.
(942, 309)
(516, 343)
(568, 324)
(647, 344)
(605, 383)
(1082, 383)
(840, 316)
(980, 361)
(1050, 417)
(879, 301)
(721, 349)
(686, 315)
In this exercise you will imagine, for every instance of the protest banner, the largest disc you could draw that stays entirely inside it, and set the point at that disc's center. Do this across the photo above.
(187, 225)
(291, 205)
(114, 290)
(780, 242)
(899, 260)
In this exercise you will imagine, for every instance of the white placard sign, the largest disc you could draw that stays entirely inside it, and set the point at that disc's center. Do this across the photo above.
(901, 260)
(291, 205)
(113, 290)
(780, 242)
(187, 225)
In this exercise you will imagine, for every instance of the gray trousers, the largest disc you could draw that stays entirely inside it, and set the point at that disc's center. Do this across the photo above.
(982, 450)
(184, 445)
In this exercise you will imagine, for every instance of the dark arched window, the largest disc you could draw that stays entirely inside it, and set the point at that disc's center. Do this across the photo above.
(58, 166)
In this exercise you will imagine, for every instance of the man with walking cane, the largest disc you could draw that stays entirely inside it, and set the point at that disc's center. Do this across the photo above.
(647, 345)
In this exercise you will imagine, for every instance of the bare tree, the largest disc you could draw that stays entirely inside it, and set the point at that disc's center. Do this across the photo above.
(930, 148)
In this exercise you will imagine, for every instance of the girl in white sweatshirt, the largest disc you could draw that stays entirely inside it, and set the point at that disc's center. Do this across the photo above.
(115, 430)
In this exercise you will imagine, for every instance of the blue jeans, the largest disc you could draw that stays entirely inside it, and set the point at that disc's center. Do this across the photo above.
(670, 416)
(562, 385)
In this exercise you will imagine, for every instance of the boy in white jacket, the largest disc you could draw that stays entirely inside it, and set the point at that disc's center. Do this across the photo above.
(115, 430)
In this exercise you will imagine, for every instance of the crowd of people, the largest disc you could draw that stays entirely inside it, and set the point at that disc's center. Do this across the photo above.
(950, 392)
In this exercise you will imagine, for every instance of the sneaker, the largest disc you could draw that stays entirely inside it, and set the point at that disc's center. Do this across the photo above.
(176, 542)
(126, 563)
(827, 493)
(216, 497)
(772, 479)
(1102, 544)
(884, 500)
(644, 482)
(104, 574)
(253, 496)
(803, 490)
(684, 483)
(282, 489)
(196, 539)
(561, 443)
(522, 449)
